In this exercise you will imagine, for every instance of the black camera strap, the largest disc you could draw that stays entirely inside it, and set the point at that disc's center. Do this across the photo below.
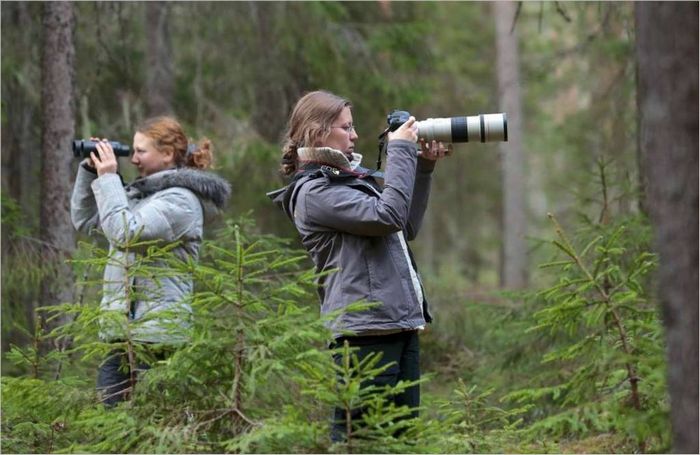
(382, 146)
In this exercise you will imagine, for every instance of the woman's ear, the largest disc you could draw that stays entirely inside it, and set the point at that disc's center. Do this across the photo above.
(168, 158)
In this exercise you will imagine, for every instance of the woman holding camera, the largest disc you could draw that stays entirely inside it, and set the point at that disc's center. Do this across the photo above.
(167, 204)
(348, 222)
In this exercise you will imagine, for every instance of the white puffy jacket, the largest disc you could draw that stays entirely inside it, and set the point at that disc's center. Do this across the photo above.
(167, 207)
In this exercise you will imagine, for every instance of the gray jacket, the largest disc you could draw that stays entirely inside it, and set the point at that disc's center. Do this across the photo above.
(169, 206)
(349, 223)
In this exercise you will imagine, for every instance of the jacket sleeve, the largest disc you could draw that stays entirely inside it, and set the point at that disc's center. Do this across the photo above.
(83, 208)
(346, 209)
(167, 215)
(421, 193)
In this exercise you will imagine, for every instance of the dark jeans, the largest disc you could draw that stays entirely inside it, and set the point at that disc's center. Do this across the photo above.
(113, 376)
(401, 348)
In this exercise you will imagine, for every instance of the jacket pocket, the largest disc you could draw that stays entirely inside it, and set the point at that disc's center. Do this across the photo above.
(409, 309)
(374, 257)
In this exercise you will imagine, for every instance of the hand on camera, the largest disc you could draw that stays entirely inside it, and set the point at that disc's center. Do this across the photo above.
(104, 161)
(408, 131)
(434, 150)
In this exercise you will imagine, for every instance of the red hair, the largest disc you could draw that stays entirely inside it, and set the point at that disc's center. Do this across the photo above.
(168, 136)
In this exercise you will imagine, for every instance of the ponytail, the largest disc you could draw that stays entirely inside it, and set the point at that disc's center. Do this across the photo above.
(199, 156)
(289, 158)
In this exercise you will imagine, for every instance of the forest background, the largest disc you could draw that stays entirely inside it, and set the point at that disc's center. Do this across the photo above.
(549, 260)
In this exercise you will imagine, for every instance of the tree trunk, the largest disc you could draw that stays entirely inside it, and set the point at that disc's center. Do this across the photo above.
(160, 80)
(58, 116)
(667, 72)
(514, 255)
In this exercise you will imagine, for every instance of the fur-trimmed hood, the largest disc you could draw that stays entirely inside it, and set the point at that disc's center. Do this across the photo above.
(206, 185)
(209, 187)
(328, 156)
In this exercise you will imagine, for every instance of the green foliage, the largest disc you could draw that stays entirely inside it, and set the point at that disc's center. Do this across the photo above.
(324, 385)
(26, 263)
(37, 414)
(254, 376)
(12, 216)
(605, 368)
(479, 426)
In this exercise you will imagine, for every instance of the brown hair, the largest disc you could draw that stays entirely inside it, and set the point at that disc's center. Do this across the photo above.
(309, 124)
(167, 135)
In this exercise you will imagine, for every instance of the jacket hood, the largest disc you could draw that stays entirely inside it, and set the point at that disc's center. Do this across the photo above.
(282, 198)
(209, 187)
(315, 162)
(310, 161)
(285, 198)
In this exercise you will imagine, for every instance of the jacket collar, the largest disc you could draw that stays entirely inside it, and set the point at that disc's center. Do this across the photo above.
(208, 186)
(329, 157)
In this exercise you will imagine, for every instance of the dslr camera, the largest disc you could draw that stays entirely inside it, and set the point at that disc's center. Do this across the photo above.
(475, 128)
(83, 147)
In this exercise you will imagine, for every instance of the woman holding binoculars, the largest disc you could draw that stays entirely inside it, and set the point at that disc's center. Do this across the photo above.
(168, 204)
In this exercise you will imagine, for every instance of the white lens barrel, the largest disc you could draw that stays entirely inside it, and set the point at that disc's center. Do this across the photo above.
(439, 129)
(495, 127)
(474, 128)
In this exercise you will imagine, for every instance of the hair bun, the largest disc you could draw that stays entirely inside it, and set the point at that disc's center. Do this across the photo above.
(199, 155)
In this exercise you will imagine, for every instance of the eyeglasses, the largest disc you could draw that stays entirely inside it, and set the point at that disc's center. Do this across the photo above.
(347, 128)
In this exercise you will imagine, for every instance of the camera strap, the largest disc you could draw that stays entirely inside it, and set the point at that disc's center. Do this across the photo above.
(382, 146)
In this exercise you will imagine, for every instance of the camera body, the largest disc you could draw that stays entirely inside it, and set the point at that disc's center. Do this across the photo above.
(83, 147)
(475, 128)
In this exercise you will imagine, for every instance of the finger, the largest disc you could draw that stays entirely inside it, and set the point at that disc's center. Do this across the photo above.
(409, 123)
(105, 147)
(103, 151)
(423, 148)
(94, 159)
(108, 148)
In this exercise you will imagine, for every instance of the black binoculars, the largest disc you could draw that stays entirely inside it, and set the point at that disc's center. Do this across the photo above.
(83, 147)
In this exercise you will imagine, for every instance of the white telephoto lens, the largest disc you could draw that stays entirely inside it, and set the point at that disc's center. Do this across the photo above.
(438, 129)
(473, 128)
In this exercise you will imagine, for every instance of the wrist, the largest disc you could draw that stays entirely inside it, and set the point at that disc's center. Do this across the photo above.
(88, 168)
(426, 165)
